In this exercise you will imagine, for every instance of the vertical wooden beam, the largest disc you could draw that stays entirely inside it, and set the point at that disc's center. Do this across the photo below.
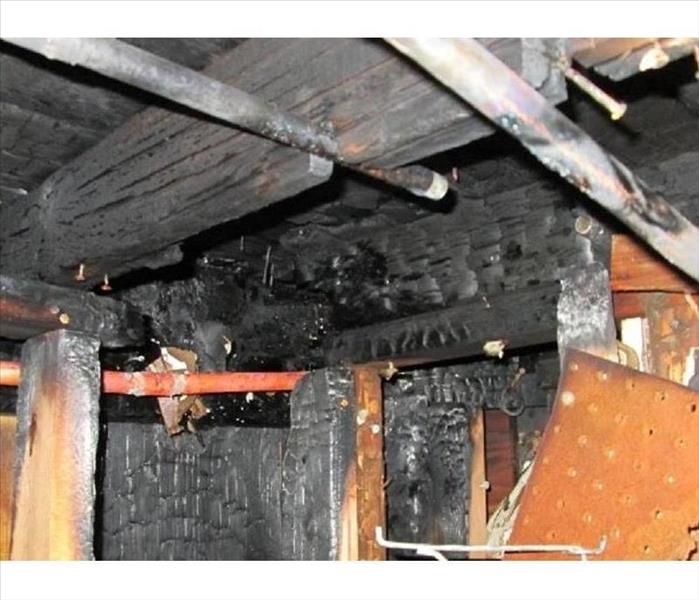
(369, 469)
(57, 428)
(501, 456)
(7, 456)
(318, 484)
(477, 510)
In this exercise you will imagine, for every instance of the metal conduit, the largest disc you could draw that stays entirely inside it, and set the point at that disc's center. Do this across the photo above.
(146, 383)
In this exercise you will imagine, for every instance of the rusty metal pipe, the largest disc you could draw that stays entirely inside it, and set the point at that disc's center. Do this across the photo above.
(146, 383)
(141, 69)
(491, 87)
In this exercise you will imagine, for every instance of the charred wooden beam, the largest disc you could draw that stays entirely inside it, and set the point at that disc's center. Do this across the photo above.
(28, 308)
(517, 319)
(318, 514)
(489, 85)
(192, 89)
(619, 58)
(333, 491)
(162, 176)
(57, 429)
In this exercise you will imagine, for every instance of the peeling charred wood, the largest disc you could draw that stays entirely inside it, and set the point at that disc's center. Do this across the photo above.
(521, 318)
(486, 83)
(28, 308)
(512, 240)
(57, 428)
(162, 177)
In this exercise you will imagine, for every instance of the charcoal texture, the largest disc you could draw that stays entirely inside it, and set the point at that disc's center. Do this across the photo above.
(427, 443)
(215, 496)
(319, 454)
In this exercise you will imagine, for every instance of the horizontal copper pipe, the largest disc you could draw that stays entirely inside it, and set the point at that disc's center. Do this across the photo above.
(175, 384)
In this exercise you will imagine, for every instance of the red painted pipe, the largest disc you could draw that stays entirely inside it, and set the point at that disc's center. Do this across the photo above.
(145, 383)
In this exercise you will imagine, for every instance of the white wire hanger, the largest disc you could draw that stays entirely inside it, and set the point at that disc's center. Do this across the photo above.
(436, 551)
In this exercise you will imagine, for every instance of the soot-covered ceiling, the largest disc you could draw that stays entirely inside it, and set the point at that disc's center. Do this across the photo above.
(196, 222)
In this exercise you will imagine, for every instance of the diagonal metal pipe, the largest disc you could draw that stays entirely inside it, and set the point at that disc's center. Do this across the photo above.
(141, 69)
(491, 87)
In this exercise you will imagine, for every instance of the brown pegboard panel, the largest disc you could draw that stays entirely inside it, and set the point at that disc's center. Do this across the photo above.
(619, 458)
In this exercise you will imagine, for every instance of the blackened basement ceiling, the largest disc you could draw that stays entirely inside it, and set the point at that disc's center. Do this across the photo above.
(51, 113)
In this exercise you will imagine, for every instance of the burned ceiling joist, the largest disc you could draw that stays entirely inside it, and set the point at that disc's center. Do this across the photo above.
(162, 177)
(486, 83)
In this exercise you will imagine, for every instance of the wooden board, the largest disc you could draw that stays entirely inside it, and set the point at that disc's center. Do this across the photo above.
(478, 506)
(371, 503)
(636, 268)
(8, 425)
(500, 457)
(57, 429)
(628, 305)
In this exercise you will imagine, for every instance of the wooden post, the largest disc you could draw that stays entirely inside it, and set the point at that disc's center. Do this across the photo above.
(57, 428)
(477, 511)
(369, 469)
(501, 457)
(7, 455)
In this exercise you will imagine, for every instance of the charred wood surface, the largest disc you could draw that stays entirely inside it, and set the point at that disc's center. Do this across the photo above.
(318, 467)
(428, 449)
(56, 448)
(29, 308)
(51, 113)
(214, 496)
(162, 177)
(518, 319)
(428, 460)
